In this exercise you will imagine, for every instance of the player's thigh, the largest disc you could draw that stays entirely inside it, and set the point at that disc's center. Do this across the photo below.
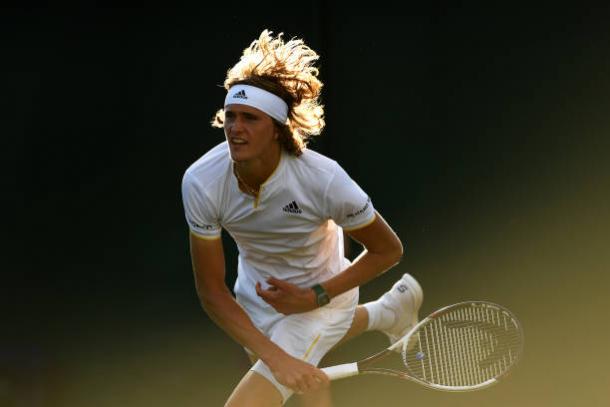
(319, 398)
(254, 391)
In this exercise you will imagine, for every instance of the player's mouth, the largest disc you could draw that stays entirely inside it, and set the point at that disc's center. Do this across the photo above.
(237, 141)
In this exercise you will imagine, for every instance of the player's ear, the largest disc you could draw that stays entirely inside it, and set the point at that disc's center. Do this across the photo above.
(276, 131)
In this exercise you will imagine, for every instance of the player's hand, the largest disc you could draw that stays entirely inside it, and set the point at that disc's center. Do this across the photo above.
(300, 376)
(287, 298)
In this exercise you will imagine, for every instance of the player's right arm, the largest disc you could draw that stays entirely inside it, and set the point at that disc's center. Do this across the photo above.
(208, 262)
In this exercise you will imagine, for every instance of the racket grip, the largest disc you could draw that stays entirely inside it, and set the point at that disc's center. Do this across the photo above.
(341, 371)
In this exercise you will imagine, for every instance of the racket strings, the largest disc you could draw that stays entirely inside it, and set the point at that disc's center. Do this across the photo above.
(464, 347)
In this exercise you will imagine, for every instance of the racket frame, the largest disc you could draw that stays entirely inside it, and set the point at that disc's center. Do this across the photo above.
(363, 366)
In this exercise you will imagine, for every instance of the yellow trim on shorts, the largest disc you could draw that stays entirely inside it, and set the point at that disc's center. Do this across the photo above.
(363, 225)
(308, 351)
(204, 237)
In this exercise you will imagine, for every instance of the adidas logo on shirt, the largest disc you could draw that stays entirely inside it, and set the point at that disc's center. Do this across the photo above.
(292, 207)
(240, 95)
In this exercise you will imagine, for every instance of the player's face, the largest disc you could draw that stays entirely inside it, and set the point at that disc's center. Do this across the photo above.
(250, 132)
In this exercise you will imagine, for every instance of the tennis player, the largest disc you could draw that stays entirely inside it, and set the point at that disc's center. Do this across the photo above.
(286, 207)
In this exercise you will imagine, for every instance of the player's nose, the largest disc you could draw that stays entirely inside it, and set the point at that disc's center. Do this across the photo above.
(237, 125)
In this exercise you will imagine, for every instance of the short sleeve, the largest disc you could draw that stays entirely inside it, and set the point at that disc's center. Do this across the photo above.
(200, 213)
(348, 205)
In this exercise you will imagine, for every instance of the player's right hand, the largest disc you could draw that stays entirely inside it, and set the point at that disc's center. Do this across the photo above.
(299, 376)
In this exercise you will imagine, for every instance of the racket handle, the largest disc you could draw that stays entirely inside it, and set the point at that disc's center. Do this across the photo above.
(341, 371)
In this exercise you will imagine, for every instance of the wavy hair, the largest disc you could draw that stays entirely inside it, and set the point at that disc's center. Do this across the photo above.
(287, 70)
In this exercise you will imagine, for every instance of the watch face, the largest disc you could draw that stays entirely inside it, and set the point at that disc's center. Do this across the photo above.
(322, 297)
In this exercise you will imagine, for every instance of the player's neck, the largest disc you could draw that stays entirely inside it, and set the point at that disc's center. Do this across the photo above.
(256, 171)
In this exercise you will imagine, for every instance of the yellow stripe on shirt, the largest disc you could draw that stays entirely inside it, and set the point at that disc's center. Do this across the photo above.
(204, 237)
(365, 224)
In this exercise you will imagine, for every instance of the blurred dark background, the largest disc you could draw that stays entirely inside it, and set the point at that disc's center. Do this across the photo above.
(482, 135)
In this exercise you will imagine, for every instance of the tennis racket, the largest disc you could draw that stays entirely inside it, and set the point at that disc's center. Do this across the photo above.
(462, 347)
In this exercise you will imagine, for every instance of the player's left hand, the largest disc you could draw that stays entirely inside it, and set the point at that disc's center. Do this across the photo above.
(287, 298)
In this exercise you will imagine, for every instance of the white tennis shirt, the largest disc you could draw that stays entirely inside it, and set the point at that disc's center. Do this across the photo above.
(292, 231)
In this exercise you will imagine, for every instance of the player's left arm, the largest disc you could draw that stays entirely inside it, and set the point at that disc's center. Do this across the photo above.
(382, 250)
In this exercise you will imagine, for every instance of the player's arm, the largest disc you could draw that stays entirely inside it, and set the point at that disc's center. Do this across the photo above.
(382, 250)
(208, 261)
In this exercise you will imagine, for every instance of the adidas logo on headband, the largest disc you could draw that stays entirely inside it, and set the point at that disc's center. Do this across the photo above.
(240, 95)
(260, 99)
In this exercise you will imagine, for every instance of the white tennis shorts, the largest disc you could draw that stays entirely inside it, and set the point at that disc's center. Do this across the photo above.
(307, 336)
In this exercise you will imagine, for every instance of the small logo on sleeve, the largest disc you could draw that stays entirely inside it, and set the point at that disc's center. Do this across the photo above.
(203, 226)
(292, 207)
(361, 210)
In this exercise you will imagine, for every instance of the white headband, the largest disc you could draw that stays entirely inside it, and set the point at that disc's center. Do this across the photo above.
(265, 101)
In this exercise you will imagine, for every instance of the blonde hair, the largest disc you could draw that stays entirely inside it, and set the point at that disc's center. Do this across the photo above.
(287, 70)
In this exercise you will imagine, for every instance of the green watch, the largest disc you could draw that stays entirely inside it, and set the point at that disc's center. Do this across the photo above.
(322, 297)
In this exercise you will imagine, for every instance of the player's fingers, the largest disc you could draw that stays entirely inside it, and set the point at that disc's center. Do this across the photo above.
(278, 283)
(259, 290)
(267, 295)
(311, 383)
(322, 378)
(292, 384)
(301, 385)
(317, 379)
